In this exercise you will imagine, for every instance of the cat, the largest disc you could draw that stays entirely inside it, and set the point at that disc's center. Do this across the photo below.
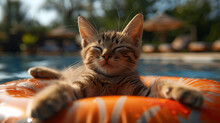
(109, 68)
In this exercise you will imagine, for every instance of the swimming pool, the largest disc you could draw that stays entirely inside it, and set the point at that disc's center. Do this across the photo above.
(15, 67)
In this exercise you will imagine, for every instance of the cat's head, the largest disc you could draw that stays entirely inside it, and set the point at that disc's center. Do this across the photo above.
(111, 53)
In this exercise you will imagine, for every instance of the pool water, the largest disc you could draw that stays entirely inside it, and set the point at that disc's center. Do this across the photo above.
(16, 67)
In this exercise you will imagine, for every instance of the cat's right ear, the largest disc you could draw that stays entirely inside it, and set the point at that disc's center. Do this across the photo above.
(134, 29)
(86, 30)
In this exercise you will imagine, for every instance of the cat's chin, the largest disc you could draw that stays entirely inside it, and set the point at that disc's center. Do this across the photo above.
(108, 70)
(107, 66)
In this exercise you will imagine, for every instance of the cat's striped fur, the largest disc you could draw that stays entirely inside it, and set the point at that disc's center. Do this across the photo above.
(109, 68)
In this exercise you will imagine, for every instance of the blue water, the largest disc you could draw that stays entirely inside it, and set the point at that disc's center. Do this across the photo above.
(16, 67)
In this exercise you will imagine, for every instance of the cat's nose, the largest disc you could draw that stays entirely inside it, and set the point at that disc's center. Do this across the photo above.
(106, 56)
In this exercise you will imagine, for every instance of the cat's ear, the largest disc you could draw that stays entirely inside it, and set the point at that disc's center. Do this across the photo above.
(86, 30)
(135, 29)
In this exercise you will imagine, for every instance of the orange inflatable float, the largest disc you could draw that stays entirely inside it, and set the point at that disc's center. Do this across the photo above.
(14, 97)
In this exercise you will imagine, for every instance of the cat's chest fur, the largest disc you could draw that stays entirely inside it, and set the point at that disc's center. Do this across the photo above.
(105, 89)
(101, 86)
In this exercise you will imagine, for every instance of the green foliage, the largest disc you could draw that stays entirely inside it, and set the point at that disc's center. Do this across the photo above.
(115, 16)
(68, 9)
(29, 39)
(214, 32)
(119, 12)
(196, 13)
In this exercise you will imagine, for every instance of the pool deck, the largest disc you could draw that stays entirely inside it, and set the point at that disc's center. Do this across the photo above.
(188, 57)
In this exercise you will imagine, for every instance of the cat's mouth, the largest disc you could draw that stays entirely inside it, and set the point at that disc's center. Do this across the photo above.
(106, 64)
(108, 68)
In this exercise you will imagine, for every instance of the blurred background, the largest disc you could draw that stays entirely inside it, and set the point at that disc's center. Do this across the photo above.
(50, 26)
(180, 37)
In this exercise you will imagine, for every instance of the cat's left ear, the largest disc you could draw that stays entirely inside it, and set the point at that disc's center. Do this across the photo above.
(135, 29)
(86, 30)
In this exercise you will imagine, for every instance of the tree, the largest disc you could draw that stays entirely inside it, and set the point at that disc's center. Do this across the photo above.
(68, 9)
(124, 10)
(197, 16)
(12, 21)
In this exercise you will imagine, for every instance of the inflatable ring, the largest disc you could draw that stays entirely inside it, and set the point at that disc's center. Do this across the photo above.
(14, 97)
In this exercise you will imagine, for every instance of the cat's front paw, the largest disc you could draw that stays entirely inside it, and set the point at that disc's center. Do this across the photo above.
(185, 95)
(48, 102)
(44, 72)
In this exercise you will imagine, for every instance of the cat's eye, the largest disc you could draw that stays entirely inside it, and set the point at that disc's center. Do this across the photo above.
(120, 48)
(97, 48)
(116, 41)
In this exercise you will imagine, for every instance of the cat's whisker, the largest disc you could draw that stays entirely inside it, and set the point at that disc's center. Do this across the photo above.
(118, 18)
(142, 70)
(73, 64)
(129, 66)
(77, 63)
(94, 23)
(123, 26)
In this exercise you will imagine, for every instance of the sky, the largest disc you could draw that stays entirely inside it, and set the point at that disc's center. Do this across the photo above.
(33, 11)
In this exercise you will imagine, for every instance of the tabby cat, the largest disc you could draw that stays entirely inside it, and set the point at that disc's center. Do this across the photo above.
(109, 68)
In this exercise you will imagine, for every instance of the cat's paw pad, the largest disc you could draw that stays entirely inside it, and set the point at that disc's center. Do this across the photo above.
(188, 96)
(43, 72)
